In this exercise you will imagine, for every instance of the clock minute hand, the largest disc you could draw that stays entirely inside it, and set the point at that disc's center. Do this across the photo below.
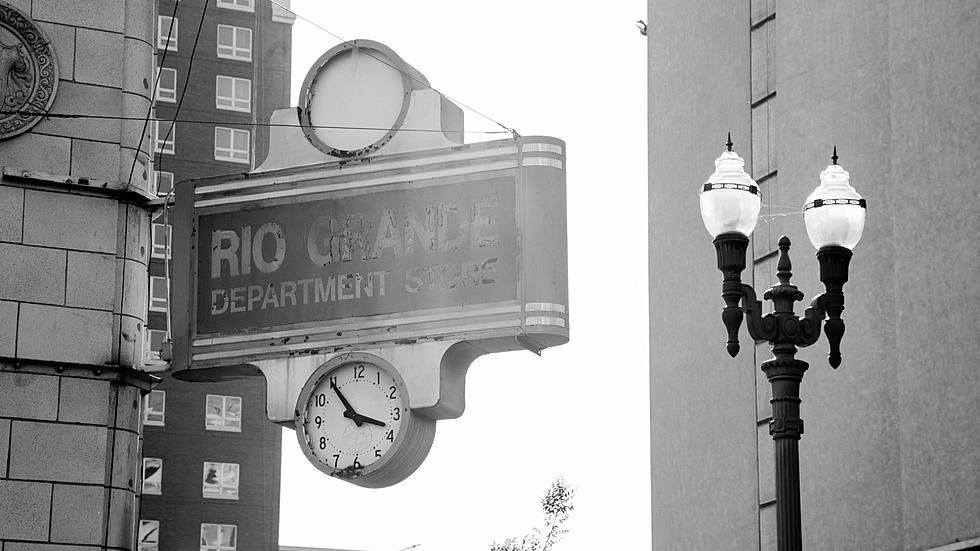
(366, 419)
(348, 409)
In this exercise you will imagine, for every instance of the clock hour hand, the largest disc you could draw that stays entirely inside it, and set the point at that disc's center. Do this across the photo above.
(366, 419)
(348, 409)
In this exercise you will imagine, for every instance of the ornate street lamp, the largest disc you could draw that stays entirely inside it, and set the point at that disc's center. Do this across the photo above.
(834, 217)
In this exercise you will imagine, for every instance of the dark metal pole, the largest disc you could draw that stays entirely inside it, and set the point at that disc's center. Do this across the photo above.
(785, 375)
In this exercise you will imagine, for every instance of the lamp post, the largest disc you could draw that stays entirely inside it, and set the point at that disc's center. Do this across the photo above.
(834, 218)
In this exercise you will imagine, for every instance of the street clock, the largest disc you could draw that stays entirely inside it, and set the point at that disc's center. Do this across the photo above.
(353, 421)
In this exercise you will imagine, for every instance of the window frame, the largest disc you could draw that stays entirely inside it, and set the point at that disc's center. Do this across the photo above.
(224, 427)
(158, 490)
(231, 101)
(167, 42)
(157, 174)
(151, 545)
(231, 149)
(151, 353)
(162, 145)
(155, 301)
(219, 547)
(171, 96)
(168, 244)
(163, 413)
(234, 5)
(234, 51)
(218, 490)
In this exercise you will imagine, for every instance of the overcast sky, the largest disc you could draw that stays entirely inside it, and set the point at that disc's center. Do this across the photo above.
(576, 71)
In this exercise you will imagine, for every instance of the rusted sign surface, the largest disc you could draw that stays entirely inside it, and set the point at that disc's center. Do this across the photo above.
(363, 254)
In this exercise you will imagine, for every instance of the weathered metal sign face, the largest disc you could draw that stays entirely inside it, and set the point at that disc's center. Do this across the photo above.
(385, 252)
(465, 243)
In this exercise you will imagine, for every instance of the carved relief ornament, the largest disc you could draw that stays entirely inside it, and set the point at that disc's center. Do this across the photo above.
(28, 72)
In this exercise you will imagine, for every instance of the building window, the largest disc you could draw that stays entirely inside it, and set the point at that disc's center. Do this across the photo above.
(152, 475)
(231, 144)
(218, 537)
(233, 94)
(167, 85)
(235, 42)
(154, 342)
(220, 480)
(242, 5)
(164, 133)
(149, 535)
(167, 33)
(223, 413)
(158, 294)
(162, 240)
(154, 407)
(164, 182)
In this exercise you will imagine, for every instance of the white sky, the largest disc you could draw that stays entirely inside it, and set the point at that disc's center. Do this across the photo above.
(576, 71)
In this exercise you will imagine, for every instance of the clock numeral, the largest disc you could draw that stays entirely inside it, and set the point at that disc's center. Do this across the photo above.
(357, 464)
(319, 421)
(390, 436)
(323, 443)
(358, 371)
(320, 400)
(392, 395)
(333, 380)
(396, 414)
(379, 377)
(377, 453)
(336, 458)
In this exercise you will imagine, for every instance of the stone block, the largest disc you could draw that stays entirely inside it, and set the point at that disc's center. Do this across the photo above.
(26, 507)
(32, 274)
(73, 518)
(62, 39)
(121, 519)
(137, 245)
(21, 152)
(99, 57)
(127, 408)
(95, 160)
(125, 460)
(24, 546)
(28, 396)
(73, 98)
(84, 401)
(70, 221)
(4, 446)
(11, 212)
(138, 75)
(132, 341)
(107, 15)
(140, 25)
(57, 452)
(64, 334)
(8, 328)
(135, 283)
(91, 280)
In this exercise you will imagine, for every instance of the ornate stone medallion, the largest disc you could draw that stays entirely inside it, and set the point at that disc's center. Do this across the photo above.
(28, 72)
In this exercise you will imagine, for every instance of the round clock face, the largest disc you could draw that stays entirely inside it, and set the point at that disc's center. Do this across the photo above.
(351, 415)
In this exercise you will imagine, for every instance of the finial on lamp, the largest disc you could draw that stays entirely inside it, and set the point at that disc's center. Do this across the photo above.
(729, 143)
(834, 156)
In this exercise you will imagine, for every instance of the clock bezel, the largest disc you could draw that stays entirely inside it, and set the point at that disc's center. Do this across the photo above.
(307, 97)
(389, 459)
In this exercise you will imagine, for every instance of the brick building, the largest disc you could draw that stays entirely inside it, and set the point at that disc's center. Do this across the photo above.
(211, 460)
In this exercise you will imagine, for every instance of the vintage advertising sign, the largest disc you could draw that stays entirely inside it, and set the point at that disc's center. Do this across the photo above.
(466, 242)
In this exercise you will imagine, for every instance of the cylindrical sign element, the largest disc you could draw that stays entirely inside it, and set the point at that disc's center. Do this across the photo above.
(355, 98)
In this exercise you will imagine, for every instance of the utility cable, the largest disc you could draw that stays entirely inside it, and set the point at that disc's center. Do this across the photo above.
(338, 37)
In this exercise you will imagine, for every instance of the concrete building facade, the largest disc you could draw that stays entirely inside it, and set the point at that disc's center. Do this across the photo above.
(889, 454)
(211, 460)
(74, 248)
